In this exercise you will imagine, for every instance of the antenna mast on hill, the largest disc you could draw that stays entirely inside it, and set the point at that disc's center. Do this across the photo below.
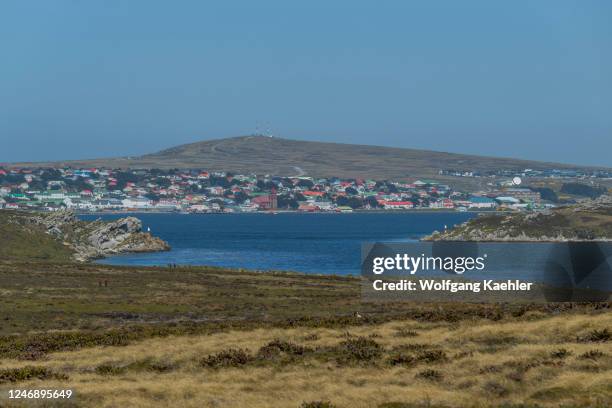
(263, 130)
(269, 132)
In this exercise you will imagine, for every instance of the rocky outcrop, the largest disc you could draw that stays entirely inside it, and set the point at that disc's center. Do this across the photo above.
(587, 221)
(98, 239)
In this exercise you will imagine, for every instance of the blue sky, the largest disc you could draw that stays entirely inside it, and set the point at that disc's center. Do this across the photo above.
(528, 79)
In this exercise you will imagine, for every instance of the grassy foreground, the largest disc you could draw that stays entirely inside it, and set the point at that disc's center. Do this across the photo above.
(198, 337)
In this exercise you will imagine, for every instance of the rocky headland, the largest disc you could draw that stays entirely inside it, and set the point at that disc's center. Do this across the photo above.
(587, 221)
(91, 240)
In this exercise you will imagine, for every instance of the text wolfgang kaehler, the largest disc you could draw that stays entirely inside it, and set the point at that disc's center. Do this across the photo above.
(405, 263)
(448, 285)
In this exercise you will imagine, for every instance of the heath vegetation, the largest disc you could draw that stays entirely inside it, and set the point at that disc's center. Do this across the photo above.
(197, 337)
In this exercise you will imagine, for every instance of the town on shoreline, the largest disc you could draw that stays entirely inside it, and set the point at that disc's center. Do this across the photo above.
(102, 190)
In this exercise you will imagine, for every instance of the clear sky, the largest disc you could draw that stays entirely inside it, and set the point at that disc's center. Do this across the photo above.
(528, 79)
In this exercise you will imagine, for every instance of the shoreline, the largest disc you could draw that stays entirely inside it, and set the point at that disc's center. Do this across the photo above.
(277, 212)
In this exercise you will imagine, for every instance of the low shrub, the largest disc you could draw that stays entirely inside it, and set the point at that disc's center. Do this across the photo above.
(523, 365)
(277, 347)
(151, 365)
(596, 336)
(430, 375)
(422, 356)
(489, 369)
(110, 369)
(360, 349)
(317, 404)
(141, 365)
(412, 347)
(227, 358)
(12, 375)
(497, 340)
(561, 353)
(418, 404)
(35, 347)
(432, 356)
(592, 355)
(401, 359)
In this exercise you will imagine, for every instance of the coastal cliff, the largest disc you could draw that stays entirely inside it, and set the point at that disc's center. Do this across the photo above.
(586, 221)
(87, 240)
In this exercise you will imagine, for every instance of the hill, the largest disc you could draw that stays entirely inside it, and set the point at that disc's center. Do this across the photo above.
(271, 155)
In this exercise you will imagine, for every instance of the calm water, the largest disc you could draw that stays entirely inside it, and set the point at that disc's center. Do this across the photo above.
(314, 243)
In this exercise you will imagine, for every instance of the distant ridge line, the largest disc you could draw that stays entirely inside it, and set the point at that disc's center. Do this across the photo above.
(278, 156)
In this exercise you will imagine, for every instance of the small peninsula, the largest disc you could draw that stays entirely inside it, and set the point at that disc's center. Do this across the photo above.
(586, 221)
(61, 236)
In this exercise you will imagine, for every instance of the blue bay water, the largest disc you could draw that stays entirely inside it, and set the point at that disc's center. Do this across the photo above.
(311, 243)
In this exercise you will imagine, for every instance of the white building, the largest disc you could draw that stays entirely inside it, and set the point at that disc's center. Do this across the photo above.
(137, 203)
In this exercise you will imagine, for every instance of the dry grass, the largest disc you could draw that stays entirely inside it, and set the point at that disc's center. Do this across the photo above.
(194, 337)
(543, 362)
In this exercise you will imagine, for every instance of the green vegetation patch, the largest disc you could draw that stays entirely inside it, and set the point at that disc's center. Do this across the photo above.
(147, 364)
(317, 404)
(228, 358)
(13, 375)
(359, 349)
(27, 242)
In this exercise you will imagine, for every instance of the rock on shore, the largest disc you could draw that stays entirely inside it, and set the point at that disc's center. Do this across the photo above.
(98, 239)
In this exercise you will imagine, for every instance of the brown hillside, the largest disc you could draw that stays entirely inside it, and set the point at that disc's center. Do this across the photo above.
(271, 155)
